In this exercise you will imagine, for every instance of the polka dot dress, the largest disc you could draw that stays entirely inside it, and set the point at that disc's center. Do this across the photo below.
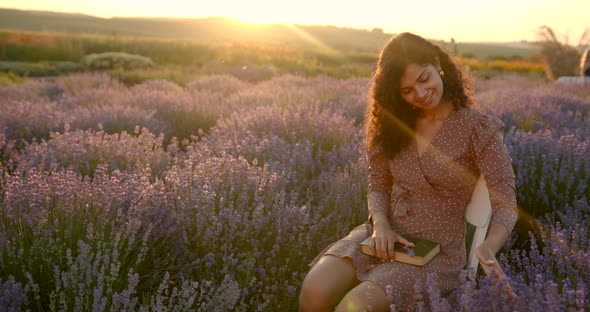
(425, 197)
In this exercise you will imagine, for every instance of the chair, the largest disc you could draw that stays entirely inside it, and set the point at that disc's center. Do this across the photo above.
(478, 213)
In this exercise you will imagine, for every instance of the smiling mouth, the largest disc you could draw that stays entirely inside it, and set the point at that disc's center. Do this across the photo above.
(427, 98)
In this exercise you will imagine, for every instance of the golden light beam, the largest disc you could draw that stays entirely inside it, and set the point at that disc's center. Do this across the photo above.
(311, 39)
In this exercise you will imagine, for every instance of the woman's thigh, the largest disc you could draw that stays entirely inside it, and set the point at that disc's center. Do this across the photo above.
(328, 281)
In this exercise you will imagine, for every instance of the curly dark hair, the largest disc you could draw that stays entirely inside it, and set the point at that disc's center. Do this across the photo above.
(390, 120)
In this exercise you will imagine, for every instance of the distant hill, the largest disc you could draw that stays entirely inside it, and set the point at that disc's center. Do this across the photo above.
(220, 30)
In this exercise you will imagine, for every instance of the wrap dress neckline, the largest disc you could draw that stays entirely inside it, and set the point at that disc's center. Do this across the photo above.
(434, 139)
(430, 148)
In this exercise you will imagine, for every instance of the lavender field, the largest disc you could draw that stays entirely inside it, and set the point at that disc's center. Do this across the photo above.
(216, 195)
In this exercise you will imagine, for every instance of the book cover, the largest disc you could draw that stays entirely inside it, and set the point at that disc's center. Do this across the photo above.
(424, 250)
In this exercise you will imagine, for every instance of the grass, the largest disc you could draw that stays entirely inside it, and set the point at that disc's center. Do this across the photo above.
(8, 79)
(39, 69)
(48, 54)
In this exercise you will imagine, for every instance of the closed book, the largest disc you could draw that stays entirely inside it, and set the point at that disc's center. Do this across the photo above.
(424, 250)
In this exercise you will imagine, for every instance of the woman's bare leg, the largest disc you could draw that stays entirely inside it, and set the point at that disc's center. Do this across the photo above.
(326, 283)
(364, 297)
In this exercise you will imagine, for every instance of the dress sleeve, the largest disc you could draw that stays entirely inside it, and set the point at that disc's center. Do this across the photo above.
(380, 181)
(494, 162)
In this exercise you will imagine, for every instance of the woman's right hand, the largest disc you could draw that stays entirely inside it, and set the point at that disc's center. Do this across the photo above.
(383, 241)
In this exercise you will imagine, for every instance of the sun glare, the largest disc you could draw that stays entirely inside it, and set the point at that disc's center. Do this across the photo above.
(256, 12)
(476, 21)
(253, 17)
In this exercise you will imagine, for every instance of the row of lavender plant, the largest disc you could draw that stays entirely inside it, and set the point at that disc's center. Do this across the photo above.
(84, 102)
(103, 208)
(549, 141)
(233, 220)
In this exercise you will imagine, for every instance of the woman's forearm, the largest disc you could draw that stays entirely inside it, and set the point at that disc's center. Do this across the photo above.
(497, 236)
(380, 220)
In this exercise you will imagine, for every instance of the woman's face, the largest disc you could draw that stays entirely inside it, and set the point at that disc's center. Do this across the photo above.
(421, 86)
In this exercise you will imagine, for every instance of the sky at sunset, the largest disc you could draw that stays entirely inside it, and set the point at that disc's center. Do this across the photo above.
(463, 20)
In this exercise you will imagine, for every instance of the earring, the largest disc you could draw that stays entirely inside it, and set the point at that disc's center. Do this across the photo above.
(441, 72)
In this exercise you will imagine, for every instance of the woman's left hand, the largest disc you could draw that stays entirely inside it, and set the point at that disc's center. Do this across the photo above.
(487, 259)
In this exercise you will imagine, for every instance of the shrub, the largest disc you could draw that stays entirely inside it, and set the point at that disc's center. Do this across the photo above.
(81, 243)
(87, 82)
(114, 221)
(246, 71)
(585, 63)
(551, 174)
(8, 79)
(224, 84)
(182, 112)
(39, 69)
(175, 73)
(113, 60)
(25, 121)
(115, 118)
(559, 58)
(84, 151)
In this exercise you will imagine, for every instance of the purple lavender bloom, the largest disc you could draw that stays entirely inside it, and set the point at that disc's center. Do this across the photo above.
(410, 251)
(233, 187)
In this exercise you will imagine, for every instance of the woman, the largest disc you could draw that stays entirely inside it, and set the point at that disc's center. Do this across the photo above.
(426, 146)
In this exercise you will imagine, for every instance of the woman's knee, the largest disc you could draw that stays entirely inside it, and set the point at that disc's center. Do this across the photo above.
(326, 283)
(316, 296)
